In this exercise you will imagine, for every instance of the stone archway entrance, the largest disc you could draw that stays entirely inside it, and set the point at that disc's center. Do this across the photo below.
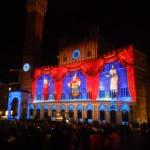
(17, 101)
(14, 107)
(125, 116)
(101, 115)
(45, 114)
(125, 109)
(79, 114)
(112, 116)
(113, 109)
(89, 114)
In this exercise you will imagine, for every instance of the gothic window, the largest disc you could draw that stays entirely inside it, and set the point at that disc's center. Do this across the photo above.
(124, 90)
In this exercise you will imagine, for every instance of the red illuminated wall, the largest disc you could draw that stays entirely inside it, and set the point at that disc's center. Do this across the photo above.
(91, 70)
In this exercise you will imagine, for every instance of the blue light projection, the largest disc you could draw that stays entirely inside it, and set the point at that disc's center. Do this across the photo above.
(74, 86)
(38, 107)
(30, 107)
(62, 107)
(14, 96)
(89, 107)
(53, 107)
(125, 107)
(71, 107)
(46, 107)
(112, 107)
(79, 107)
(102, 107)
(113, 83)
(40, 87)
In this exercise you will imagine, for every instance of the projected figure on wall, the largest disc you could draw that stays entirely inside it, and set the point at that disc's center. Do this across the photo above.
(74, 84)
(46, 86)
(113, 81)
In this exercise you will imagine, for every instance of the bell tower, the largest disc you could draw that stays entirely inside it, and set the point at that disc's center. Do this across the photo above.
(36, 10)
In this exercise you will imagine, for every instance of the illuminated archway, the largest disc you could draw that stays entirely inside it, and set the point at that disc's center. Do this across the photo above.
(13, 96)
(89, 109)
(46, 112)
(53, 109)
(79, 111)
(62, 110)
(112, 109)
(38, 111)
(31, 108)
(71, 111)
(125, 109)
(102, 110)
(14, 107)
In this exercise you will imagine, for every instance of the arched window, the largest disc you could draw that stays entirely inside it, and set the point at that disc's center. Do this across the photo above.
(46, 112)
(113, 108)
(62, 109)
(124, 90)
(38, 111)
(79, 111)
(71, 111)
(89, 110)
(102, 109)
(53, 108)
(14, 107)
(125, 112)
(31, 108)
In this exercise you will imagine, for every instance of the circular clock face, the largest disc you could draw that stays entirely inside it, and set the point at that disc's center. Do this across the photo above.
(26, 67)
(76, 54)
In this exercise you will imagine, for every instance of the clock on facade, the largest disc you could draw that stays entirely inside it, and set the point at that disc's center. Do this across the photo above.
(26, 67)
(76, 54)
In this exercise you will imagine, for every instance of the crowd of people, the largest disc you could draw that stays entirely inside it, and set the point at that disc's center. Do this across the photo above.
(44, 135)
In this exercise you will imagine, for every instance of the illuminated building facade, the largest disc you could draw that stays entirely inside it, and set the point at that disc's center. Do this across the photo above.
(86, 85)
(99, 89)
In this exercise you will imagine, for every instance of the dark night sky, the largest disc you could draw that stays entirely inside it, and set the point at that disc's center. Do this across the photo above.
(121, 23)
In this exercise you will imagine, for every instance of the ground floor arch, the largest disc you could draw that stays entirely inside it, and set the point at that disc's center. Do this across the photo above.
(125, 109)
(89, 110)
(102, 113)
(18, 104)
(79, 112)
(112, 110)
(14, 105)
(45, 114)
(71, 111)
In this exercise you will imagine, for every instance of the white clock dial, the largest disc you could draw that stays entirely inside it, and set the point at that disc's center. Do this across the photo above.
(26, 67)
(76, 54)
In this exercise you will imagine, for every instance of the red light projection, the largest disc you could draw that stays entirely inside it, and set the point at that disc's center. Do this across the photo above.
(91, 70)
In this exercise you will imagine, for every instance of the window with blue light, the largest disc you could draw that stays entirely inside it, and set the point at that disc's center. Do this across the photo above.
(113, 83)
(40, 87)
(74, 86)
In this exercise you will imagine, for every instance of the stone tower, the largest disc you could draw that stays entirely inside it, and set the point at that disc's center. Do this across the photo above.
(36, 10)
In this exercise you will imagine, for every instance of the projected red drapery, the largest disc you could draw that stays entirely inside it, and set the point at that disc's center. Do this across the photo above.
(91, 70)
(58, 74)
(127, 57)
